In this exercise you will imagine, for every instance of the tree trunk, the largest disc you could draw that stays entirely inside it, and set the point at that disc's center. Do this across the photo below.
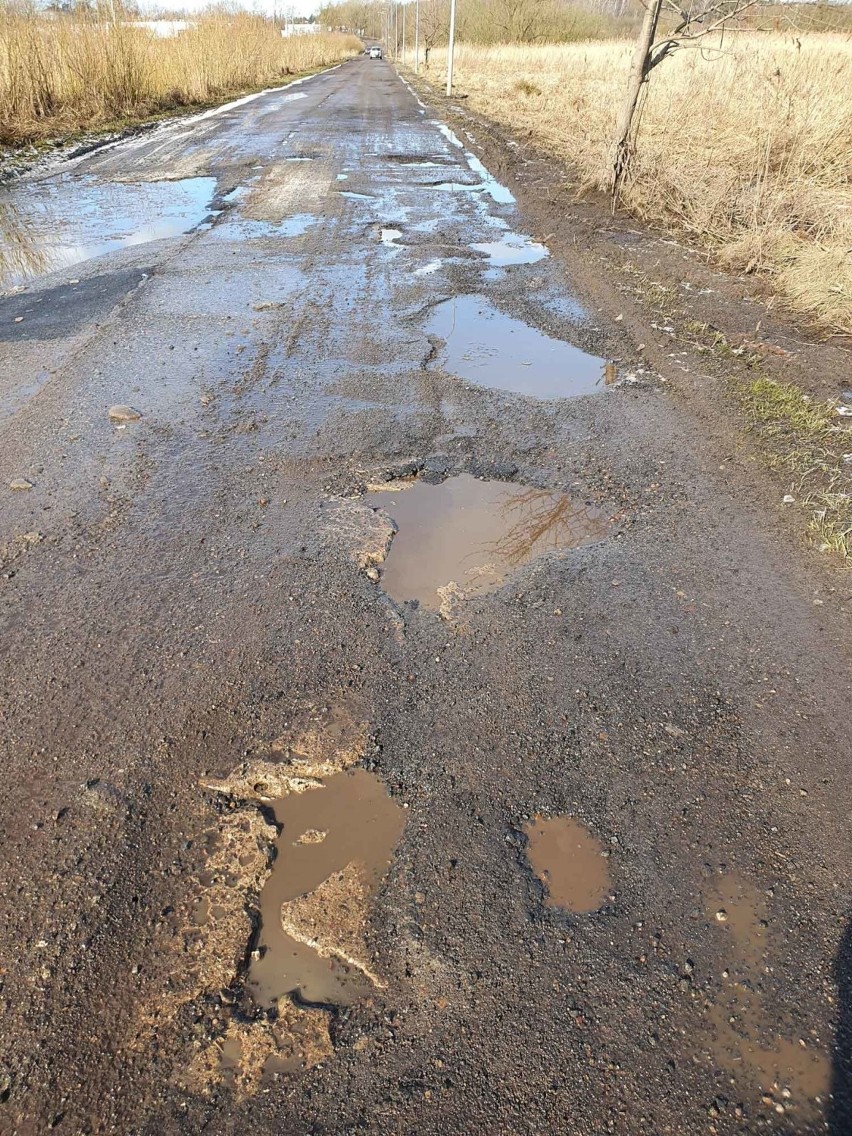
(620, 150)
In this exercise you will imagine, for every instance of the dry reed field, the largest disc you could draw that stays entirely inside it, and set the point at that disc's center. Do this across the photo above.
(746, 145)
(79, 72)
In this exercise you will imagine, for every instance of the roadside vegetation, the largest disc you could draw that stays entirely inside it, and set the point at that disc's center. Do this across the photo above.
(745, 145)
(66, 72)
(805, 441)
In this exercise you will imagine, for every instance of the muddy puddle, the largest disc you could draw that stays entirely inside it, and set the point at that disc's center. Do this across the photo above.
(62, 221)
(466, 536)
(779, 1058)
(491, 349)
(498, 193)
(512, 248)
(570, 862)
(334, 847)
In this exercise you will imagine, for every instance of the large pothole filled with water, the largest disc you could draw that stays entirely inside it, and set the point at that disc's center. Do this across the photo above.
(464, 537)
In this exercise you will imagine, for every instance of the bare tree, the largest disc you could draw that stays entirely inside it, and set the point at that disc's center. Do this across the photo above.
(691, 25)
(434, 23)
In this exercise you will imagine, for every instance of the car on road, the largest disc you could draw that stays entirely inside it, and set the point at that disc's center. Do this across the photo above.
(375, 53)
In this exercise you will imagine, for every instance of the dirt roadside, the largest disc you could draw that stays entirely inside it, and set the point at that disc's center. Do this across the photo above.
(720, 341)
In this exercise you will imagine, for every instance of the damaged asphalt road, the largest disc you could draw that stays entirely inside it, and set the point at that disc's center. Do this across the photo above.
(556, 822)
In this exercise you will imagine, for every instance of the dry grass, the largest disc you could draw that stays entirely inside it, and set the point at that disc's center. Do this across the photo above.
(74, 73)
(747, 149)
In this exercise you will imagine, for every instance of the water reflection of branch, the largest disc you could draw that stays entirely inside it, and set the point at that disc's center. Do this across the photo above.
(550, 519)
(20, 253)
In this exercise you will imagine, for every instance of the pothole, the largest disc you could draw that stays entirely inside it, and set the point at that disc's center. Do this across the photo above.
(791, 1071)
(335, 845)
(512, 248)
(63, 221)
(570, 863)
(297, 225)
(491, 349)
(334, 832)
(464, 536)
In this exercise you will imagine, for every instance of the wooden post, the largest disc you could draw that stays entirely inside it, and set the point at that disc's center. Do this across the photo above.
(452, 46)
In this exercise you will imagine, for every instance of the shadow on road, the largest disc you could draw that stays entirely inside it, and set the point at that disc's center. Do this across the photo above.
(840, 1111)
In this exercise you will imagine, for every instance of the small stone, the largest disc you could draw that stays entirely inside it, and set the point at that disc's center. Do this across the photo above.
(21, 483)
(122, 413)
(373, 574)
(721, 915)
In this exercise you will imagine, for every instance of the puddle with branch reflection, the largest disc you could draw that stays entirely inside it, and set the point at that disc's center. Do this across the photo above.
(466, 536)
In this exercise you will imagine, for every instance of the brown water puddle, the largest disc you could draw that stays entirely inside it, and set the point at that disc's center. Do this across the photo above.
(334, 847)
(791, 1071)
(469, 535)
(570, 863)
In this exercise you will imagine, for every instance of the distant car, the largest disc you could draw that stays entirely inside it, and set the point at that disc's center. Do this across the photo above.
(375, 53)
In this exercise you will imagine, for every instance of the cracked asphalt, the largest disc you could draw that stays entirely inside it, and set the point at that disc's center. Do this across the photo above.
(267, 286)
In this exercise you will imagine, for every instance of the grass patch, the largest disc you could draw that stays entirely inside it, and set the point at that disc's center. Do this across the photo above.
(808, 441)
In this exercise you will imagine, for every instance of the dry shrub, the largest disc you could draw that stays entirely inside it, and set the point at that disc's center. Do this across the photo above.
(85, 69)
(745, 146)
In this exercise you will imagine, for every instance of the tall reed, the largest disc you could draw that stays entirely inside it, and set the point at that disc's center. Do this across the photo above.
(746, 146)
(69, 72)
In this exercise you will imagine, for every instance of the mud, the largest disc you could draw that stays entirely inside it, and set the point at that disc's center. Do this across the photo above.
(570, 863)
(469, 536)
(793, 1074)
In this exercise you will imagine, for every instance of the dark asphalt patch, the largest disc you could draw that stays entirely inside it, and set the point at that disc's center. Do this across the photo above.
(63, 310)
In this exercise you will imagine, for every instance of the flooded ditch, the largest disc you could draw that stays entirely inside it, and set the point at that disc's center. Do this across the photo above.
(466, 536)
(493, 350)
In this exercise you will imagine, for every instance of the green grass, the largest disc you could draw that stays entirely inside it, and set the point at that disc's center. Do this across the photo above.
(799, 437)
(807, 440)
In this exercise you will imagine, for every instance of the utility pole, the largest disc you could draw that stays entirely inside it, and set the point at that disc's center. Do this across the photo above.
(451, 48)
(395, 27)
(416, 36)
(404, 6)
